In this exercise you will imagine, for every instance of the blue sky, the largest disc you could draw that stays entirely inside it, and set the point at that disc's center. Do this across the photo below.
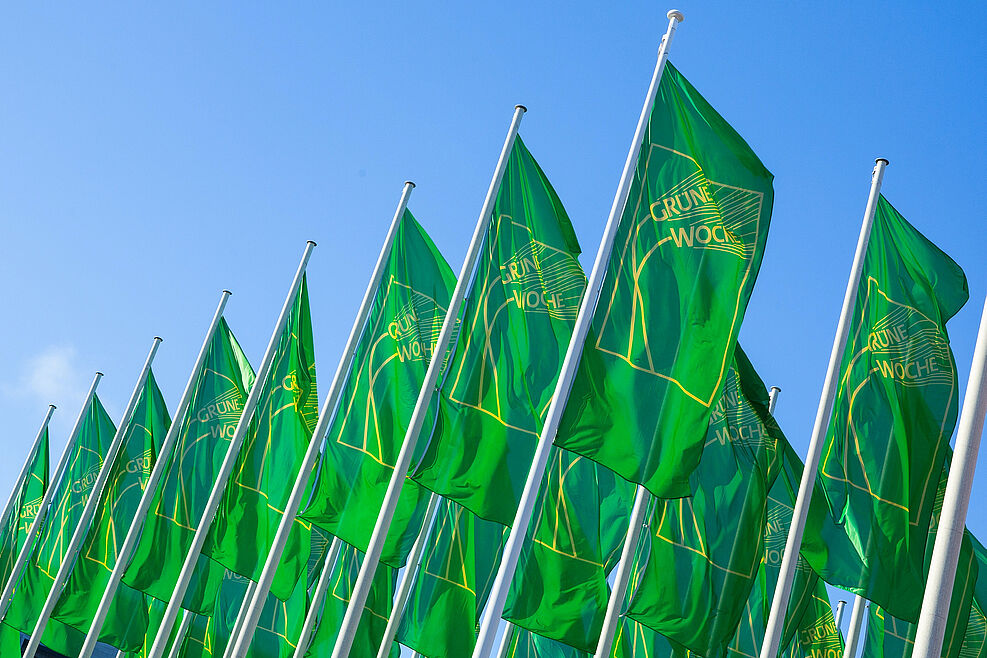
(152, 155)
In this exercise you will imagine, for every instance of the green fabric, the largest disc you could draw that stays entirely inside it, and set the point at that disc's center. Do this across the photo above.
(220, 390)
(126, 623)
(452, 584)
(684, 260)
(525, 644)
(154, 612)
(377, 401)
(61, 520)
(258, 489)
(516, 325)
(560, 587)
(373, 621)
(817, 634)
(24, 507)
(894, 412)
(706, 549)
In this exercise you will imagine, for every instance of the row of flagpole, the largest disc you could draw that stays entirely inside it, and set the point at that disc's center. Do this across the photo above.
(935, 604)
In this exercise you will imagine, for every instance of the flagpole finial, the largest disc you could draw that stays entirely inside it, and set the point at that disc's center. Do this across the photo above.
(52, 406)
(99, 373)
(521, 107)
(411, 183)
(311, 242)
(227, 292)
(159, 339)
(880, 160)
(676, 14)
(776, 389)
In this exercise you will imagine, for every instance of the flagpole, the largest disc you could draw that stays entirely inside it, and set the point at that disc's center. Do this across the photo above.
(856, 624)
(229, 461)
(241, 641)
(512, 550)
(95, 494)
(403, 462)
(180, 636)
(241, 616)
(27, 464)
(317, 597)
(408, 578)
(160, 464)
(952, 519)
(28, 547)
(783, 590)
(505, 640)
(839, 613)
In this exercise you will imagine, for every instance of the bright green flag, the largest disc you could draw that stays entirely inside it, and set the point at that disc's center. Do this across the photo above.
(24, 507)
(252, 506)
(155, 613)
(373, 621)
(62, 518)
(894, 412)
(377, 401)
(706, 549)
(560, 587)
(684, 260)
(817, 634)
(452, 584)
(515, 330)
(126, 623)
(220, 390)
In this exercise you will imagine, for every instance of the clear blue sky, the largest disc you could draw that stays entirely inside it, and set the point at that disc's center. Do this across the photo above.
(151, 155)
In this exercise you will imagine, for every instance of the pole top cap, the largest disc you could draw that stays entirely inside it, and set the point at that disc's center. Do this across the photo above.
(159, 339)
(52, 406)
(227, 292)
(676, 14)
(311, 242)
(99, 374)
(409, 182)
(880, 160)
(776, 388)
(521, 107)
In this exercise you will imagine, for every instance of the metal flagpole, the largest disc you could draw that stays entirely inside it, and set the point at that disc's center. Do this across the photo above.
(317, 597)
(229, 461)
(28, 547)
(182, 632)
(403, 462)
(952, 520)
(241, 641)
(408, 578)
(82, 529)
(8, 509)
(512, 550)
(839, 613)
(161, 463)
(505, 640)
(783, 590)
(241, 616)
(856, 624)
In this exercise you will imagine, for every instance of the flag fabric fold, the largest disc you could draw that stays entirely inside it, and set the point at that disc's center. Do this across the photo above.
(24, 507)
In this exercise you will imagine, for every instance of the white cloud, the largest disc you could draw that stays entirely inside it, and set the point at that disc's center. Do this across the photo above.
(51, 377)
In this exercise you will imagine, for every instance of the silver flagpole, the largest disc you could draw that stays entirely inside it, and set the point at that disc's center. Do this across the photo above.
(28, 548)
(160, 464)
(783, 590)
(229, 461)
(624, 571)
(8, 509)
(505, 640)
(182, 632)
(318, 595)
(840, 605)
(82, 529)
(241, 641)
(403, 462)
(952, 520)
(512, 550)
(241, 616)
(408, 578)
(856, 624)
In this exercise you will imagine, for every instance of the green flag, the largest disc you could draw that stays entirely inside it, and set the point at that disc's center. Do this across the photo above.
(379, 397)
(706, 549)
(894, 412)
(525, 644)
(126, 623)
(24, 506)
(452, 584)
(516, 325)
(560, 587)
(817, 634)
(684, 260)
(155, 613)
(62, 519)
(373, 621)
(220, 390)
(264, 475)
